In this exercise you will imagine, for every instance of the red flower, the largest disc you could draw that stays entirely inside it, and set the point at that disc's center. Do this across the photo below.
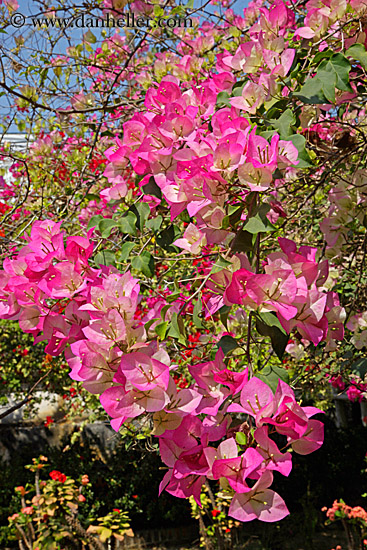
(48, 421)
(117, 510)
(58, 476)
(215, 513)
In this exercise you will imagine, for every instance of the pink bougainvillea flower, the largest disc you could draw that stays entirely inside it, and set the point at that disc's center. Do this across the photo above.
(258, 503)
(251, 98)
(234, 380)
(256, 178)
(311, 440)
(261, 153)
(255, 397)
(143, 372)
(235, 470)
(274, 459)
(192, 241)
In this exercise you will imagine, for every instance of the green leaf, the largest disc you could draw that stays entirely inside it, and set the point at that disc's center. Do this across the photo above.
(234, 213)
(105, 257)
(283, 124)
(358, 52)
(337, 67)
(144, 263)
(161, 329)
(172, 297)
(143, 211)
(234, 216)
(243, 242)
(276, 107)
(328, 80)
(154, 223)
(219, 265)
(360, 367)
(151, 188)
(21, 125)
(235, 32)
(164, 311)
(223, 99)
(127, 224)
(241, 438)
(185, 216)
(259, 223)
(271, 374)
(89, 37)
(239, 84)
(300, 144)
(149, 324)
(92, 197)
(197, 310)
(272, 320)
(94, 221)
(312, 93)
(322, 55)
(227, 343)
(158, 11)
(166, 237)
(177, 329)
(267, 324)
(267, 134)
(223, 313)
(105, 534)
(105, 226)
(125, 251)
(332, 73)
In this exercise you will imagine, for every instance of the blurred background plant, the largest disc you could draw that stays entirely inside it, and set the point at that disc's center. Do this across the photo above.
(48, 515)
(214, 524)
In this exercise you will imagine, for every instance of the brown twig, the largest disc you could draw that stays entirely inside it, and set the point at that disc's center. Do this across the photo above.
(26, 399)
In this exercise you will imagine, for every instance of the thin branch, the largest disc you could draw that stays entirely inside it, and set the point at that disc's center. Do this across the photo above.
(26, 400)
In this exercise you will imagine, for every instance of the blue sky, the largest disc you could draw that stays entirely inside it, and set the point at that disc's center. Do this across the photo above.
(30, 8)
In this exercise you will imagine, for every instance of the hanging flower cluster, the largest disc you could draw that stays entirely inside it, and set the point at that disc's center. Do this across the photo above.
(90, 313)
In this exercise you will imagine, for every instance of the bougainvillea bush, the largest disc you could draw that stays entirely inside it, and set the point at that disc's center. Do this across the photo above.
(190, 213)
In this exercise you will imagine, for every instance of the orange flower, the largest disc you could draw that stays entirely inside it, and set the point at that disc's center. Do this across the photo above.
(85, 480)
(28, 510)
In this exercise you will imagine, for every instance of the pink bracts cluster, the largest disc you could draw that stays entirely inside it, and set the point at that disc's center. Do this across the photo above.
(192, 165)
(89, 313)
(248, 473)
(292, 287)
